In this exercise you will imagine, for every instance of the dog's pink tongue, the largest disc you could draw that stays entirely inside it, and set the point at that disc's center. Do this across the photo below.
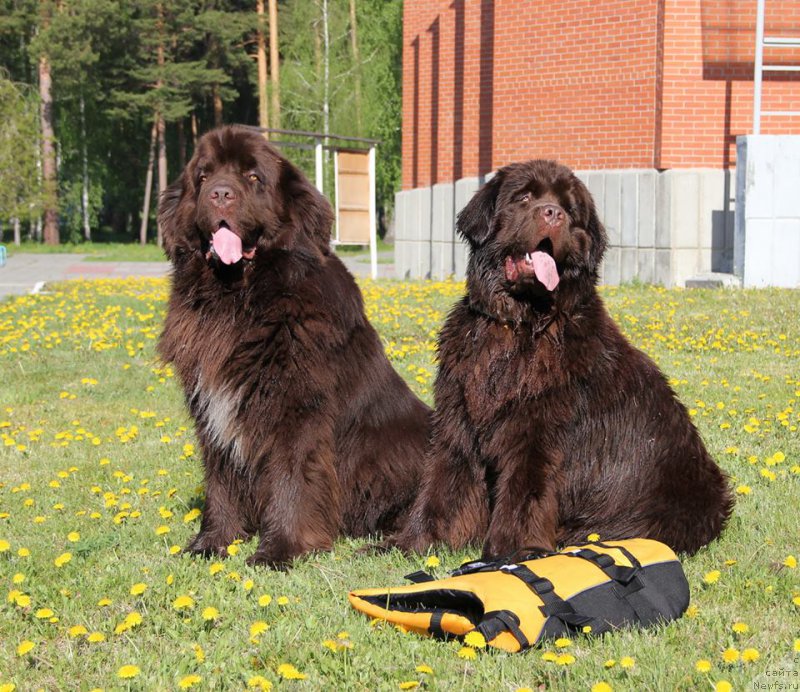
(227, 245)
(545, 267)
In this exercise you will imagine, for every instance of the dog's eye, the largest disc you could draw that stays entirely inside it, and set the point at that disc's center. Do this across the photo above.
(202, 177)
(253, 177)
(525, 198)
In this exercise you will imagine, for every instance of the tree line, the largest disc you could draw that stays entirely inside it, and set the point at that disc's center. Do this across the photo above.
(101, 101)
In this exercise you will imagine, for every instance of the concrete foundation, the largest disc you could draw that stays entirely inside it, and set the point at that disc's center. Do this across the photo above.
(767, 243)
(663, 226)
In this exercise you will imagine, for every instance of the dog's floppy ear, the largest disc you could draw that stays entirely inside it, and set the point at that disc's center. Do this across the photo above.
(168, 213)
(591, 224)
(306, 206)
(475, 221)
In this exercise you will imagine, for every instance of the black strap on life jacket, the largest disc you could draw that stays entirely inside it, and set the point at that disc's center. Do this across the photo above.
(627, 553)
(435, 626)
(552, 604)
(420, 577)
(497, 621)
(618, 573)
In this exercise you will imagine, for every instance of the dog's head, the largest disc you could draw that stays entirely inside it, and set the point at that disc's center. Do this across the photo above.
(236, 196)
(533, 232)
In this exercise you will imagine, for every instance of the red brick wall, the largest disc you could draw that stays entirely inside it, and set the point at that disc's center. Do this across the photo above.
(596, 84)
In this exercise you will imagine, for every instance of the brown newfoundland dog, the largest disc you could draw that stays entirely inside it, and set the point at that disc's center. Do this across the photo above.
(306, 430)
(549, 425)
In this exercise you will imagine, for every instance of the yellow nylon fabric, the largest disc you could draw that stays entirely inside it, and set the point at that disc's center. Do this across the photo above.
(499, 590)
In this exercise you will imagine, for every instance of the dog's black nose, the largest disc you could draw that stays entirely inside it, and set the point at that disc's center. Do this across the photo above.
(222, 195)
(551, 213)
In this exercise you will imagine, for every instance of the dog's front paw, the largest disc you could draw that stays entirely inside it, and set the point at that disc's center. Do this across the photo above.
(265, 559)
(207, 545)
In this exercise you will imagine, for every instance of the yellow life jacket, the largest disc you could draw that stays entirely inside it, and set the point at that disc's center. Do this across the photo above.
(591, 587)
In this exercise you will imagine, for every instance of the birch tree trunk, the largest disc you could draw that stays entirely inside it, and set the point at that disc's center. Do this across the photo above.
(261, 61)
(356, 63)
(274, 60)
(50, 230)
(326, 69)
(148, 186)
(87, 230)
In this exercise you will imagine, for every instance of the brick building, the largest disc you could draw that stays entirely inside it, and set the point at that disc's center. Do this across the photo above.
(643, 98)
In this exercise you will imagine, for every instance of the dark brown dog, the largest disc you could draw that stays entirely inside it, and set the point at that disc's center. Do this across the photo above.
(306, 430)
(549, 425)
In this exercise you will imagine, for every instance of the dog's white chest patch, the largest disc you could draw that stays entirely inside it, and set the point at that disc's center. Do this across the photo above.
(217, 412)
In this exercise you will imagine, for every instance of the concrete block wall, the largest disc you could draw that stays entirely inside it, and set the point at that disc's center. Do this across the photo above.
(663, 227)
(767, 241)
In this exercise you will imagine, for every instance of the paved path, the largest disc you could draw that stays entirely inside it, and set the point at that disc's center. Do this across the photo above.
(30, 272)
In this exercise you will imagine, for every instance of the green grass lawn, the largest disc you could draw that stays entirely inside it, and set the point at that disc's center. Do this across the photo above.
(100, 486)
(134, 252)
(96, 252)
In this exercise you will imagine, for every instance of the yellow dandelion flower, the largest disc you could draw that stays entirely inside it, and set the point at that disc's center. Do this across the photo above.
(257, 629)
(161, 530)
(565, 659)
(283, 600)
(627, 662)
(188, 681)
(44, 613)
(215, 568)
(199, 654)
(562, 642)
(103, 602)
(432, 561)
(426, 670)
(233, 550)
(743, 490)
(264, 600)
(96, 637)
(4, 545)
(740, 628)
(7, 687)
(248, 585)
(602, 687)
(174, 549)
(191, 515)
(289, 672)
(210, 613)
(712, 577)
(77, 631)
(475, 639)
(62, 559)
(73, 536)
(730, 655)
(408, 684)
(691, 611)
(138, 589)
(23, 552)
(18, 578)
(467, 652)
(703, 665)
(722, 686)
(790, 562)
(750, 655)
(259, 682)
(183, 602)
(129, 671)
(797, 645)
(610, 663)
(25, 647)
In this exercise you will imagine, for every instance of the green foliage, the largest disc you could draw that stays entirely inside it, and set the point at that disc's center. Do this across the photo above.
(108, 82)
(20, 191)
